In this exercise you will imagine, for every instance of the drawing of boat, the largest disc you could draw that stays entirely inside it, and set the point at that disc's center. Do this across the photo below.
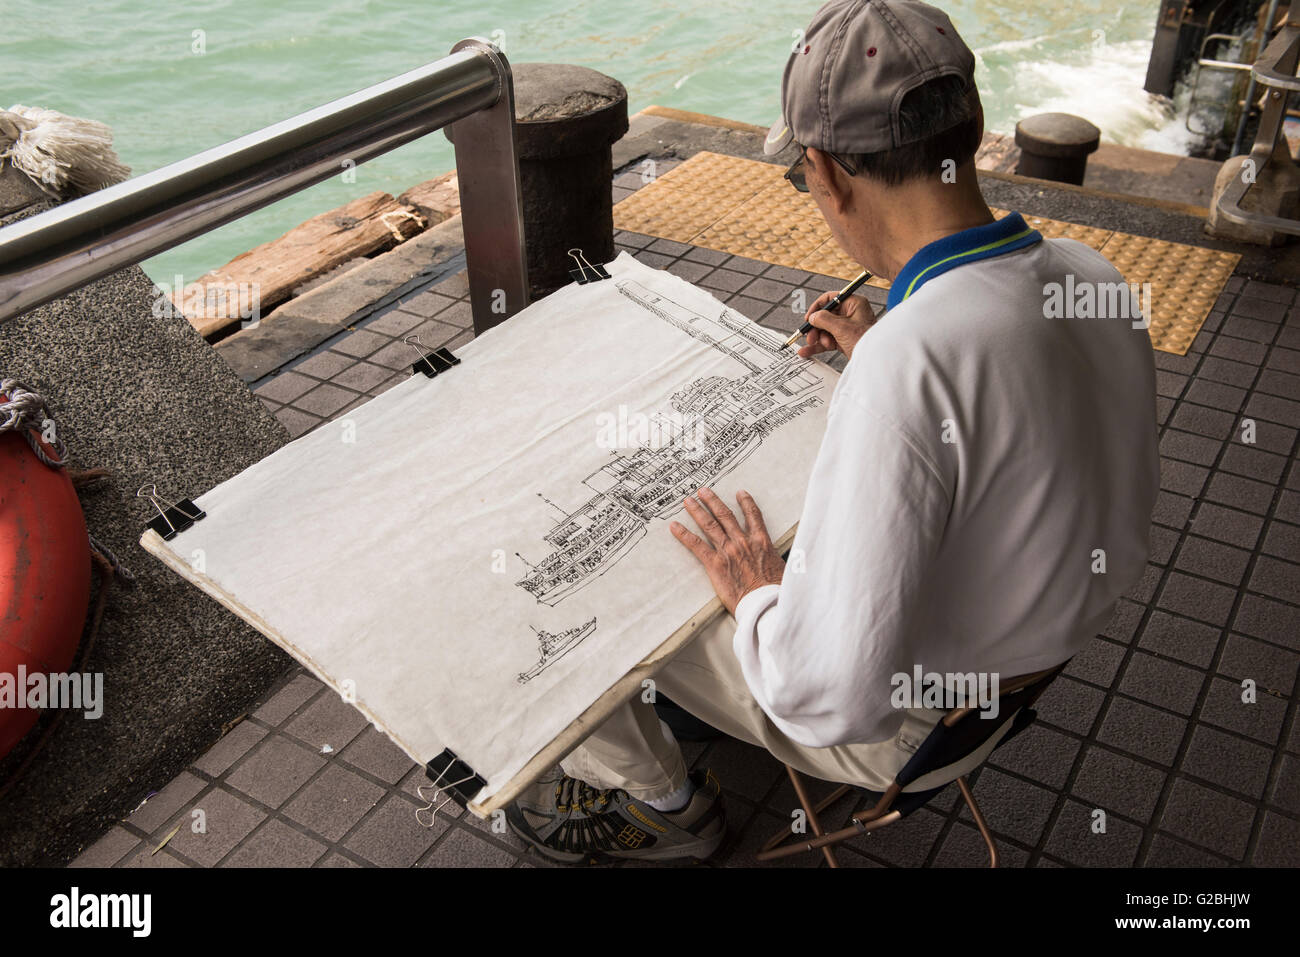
(556, 646)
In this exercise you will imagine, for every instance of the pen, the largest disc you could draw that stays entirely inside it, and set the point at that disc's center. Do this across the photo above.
(831, 306)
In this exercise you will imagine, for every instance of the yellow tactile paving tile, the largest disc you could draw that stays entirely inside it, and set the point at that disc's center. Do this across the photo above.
(775, 225)
(1185, 282)
(744, 207)
(1057, 229)
(727, 178)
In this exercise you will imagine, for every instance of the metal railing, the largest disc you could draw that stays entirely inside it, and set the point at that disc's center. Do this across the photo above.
(53, 253)
(1276, 71)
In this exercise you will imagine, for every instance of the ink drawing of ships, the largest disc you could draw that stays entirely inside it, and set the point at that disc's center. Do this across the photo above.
(556, 646)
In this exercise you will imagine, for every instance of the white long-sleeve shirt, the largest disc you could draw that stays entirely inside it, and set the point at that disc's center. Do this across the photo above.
(978, 461)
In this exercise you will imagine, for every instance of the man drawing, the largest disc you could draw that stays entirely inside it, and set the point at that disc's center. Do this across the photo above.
(978, 457)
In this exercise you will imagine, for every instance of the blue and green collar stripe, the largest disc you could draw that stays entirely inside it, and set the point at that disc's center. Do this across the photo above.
(1009, 233)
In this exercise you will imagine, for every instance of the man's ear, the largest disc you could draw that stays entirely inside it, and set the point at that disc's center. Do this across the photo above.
(832, 181)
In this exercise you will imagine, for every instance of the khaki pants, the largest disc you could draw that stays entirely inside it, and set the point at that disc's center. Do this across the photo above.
(632, 751)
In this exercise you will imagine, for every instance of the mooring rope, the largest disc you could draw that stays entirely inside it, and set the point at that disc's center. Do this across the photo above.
(26, 412)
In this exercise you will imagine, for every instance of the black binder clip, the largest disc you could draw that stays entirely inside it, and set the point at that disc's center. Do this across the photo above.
(431, 363)
(586, 272)
(173, 517)
(461, 785)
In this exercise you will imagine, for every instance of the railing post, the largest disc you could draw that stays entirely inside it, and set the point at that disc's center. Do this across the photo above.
(491, 201)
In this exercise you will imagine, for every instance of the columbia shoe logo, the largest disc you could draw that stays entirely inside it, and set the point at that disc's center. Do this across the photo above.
(631, 836)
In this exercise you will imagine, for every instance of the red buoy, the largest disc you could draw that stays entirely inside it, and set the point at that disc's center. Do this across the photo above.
(44, 577)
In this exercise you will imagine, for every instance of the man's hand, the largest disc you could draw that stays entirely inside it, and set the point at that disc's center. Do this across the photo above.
(738, 560)
(836, 330)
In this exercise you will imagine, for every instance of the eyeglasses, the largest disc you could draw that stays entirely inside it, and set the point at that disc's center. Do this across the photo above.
(797, 175)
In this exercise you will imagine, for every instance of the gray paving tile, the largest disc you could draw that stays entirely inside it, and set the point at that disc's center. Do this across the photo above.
(329, 720)
(1189, 641)
(333, 802)
(1216, 395)
(1011, 807)
(1285, 792)
(1260, 719)
(1211, 559)
(297, 423)
(724, 280)
(1208, 818)
(1161, 542)
(741, 264)
(1197, 449)
(1279, 383)
(1118, 784)
(1197, 598)
(1272, 621)
(1228, 761)
(374, 753)
(463, 848)
(1172, 510)
(362, 376)
(324, 365)
(1199, 420)
(1276, 579)
(285, 387)
(324, 400)
(1272, 311)
(690, 271)
(1163, 683)
(288, 699)
(1240, 492)
(1098, 662)
(275, 769)
(669, 247)
(1124, 621)
(1171, 852)
(1271, 667)
(426, 305)
(1075, 838)
(964, 846)
(1239, 374)
(360, 343)
(108, 850)
(1254, 463)
(1183, 478)
(390, 836)
(225, 821)
(160, 807)
(276, 844)
(710, 257)
(1142, 730)
(1279, 842)
(1040, 754)
(1227, 525)
(1071, 705)
(147, 856)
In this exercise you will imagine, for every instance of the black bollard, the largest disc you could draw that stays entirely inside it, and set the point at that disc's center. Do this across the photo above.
(1055, 146)
(566, 120)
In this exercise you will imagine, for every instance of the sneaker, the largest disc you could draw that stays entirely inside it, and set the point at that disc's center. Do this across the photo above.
(572, 822)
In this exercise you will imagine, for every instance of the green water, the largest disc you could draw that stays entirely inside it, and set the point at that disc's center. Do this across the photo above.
(169, 91)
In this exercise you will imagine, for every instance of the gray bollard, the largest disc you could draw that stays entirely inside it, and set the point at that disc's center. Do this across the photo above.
(1055, 146)
(567, 118)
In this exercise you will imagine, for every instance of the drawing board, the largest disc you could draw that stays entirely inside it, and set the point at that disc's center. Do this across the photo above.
(481, 561)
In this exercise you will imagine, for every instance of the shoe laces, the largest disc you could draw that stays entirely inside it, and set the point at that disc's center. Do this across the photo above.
(572, 795)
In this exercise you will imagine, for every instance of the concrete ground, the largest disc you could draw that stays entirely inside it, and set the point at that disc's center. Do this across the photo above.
(1148, 724)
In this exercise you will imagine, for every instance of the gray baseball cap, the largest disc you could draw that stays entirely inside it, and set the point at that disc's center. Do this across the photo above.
(843, 85)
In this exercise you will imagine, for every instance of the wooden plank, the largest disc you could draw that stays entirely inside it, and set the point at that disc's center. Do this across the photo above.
(252, 284)
(437, 199)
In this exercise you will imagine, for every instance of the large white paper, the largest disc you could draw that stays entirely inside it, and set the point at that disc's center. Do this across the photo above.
(474, 559)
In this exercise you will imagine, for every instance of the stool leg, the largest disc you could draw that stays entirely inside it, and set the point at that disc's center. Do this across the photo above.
(802, 793)
(979, 820)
